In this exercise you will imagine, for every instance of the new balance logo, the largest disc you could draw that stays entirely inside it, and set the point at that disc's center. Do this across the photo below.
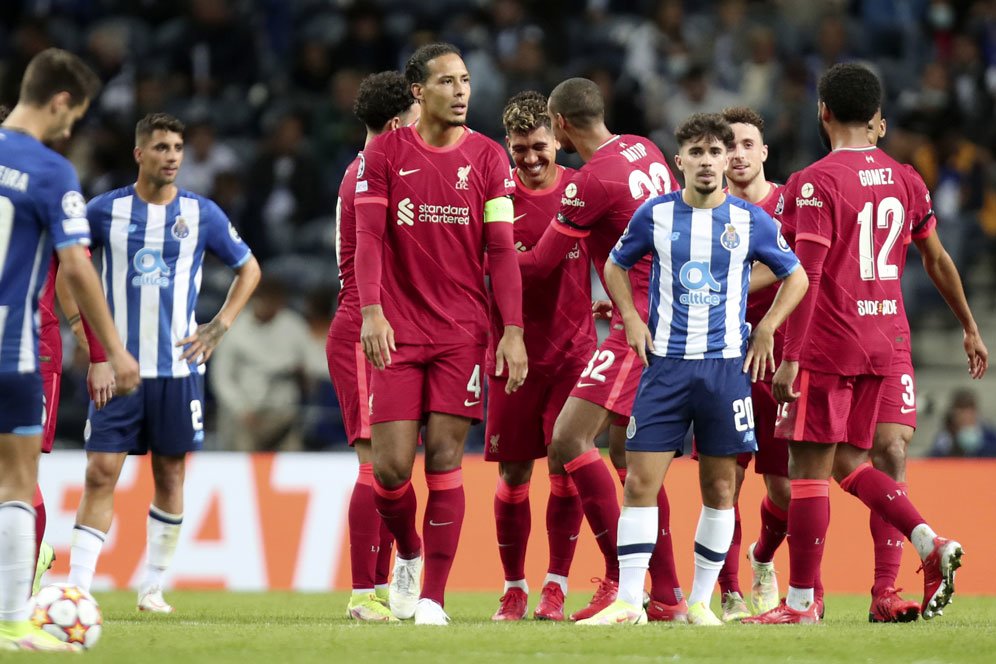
(406, 212)
(402, 172)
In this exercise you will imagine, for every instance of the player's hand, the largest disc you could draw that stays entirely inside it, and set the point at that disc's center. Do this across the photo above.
(512, 351)
(783, 380)
(978, 354)
(202, 343)
(126, 376)
(601, 309)
(760, 353)
(638, 336)
(100, 383)
(377, 337)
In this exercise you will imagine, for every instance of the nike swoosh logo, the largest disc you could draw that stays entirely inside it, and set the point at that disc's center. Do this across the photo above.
(587, 384)
(444, 523)
(604, 532)
(402, 172)
(504, 546)
(468, 403)
(904, 410)
(573, 537)
(515, 219)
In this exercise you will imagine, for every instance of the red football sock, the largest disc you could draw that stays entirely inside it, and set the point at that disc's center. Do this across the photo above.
(729, 581)
(384, 554)
(808, 519)
(563, 523)
(441, 526)
(888, 550)
(883, 496)
(621, 472)
(513, 522)
(774, 527)
(600, 504)
(664, 586)
(40, 520)
(364, 530)
(397, 509)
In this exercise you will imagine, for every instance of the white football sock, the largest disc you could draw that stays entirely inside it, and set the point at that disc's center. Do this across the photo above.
(163, 533)
(635, 542)
(799, 599)
(558, 579)
(712, 542)
(83, 555)
(521, 583)
(17, 559)
(923, 540)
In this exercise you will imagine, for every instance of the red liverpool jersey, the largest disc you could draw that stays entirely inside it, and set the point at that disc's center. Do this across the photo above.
(556, 310)
(432, 287)
(920, 228)
(347, 312)
(600, 199)
(861, 204)
(49, 337)
(759, 302)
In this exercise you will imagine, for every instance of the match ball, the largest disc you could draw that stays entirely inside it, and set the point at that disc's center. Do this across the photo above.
(68, 613)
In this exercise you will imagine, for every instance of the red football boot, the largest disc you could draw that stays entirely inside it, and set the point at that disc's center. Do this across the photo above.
(888, 607)
(551, 604)
(783, 614)
(661, 612)
(938, 576)
(605, 594)
(512, 606)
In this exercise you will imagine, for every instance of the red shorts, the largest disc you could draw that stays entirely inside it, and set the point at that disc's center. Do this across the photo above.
(51, 386)
(423, 379)
(350, 374)
(897, 403)
(832, 409)
(520, 425)
(772, 456)
(612, 377)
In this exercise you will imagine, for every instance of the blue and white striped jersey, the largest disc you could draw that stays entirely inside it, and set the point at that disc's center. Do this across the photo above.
(701, 271)
(151, 269)
(41, 208)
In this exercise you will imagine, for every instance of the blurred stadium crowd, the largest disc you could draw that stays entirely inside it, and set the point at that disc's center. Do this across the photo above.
(266, 88)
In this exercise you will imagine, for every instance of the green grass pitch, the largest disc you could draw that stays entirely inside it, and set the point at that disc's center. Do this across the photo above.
(284, 627)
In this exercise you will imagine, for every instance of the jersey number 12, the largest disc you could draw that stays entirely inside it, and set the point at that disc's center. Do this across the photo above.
(889, 214)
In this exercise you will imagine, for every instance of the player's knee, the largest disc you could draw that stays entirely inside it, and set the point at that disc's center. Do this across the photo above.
(640, 490)
(718, 493)
(568, 445)
(516, 474)
(390, 476)
(780, 491)
(889, 455)
(101, 474)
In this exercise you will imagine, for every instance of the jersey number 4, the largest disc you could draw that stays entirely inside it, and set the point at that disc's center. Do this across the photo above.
(889, 214)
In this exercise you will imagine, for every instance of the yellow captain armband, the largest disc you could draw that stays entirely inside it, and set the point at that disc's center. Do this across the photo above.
(499, 209)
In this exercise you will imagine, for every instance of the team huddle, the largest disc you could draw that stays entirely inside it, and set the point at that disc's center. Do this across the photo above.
(767, 318)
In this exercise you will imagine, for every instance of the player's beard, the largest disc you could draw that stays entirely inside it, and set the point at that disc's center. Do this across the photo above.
(705, 191)
(824, 135)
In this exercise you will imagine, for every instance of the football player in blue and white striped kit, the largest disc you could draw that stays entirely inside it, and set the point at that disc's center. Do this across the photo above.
(702, 354)
(41, 209)
(152, 237)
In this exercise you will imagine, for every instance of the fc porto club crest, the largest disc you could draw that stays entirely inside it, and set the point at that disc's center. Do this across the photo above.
(730, 239)
(180, 230)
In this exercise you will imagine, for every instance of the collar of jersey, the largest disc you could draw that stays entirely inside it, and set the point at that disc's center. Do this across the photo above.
(449, 148)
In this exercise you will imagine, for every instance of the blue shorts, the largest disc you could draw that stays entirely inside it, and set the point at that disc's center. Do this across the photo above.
(711, 395)
(164, 415)
(22, 404)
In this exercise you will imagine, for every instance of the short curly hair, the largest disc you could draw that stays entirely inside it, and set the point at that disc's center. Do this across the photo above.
(381, 97)
(525, 112)
(744, 115)
(705, 126)
(852, 92)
